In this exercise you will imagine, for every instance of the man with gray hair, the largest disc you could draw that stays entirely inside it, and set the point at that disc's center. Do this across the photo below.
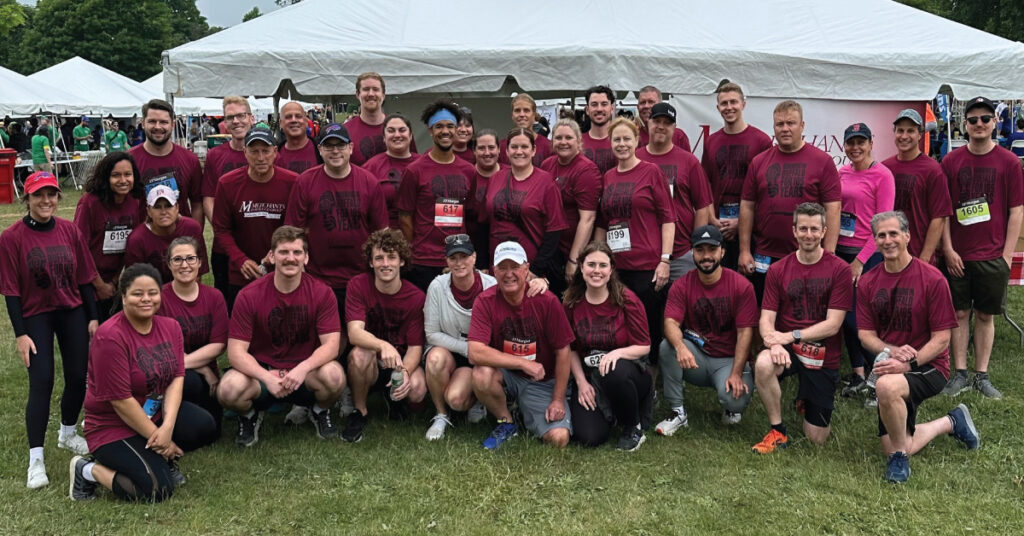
(905, 313)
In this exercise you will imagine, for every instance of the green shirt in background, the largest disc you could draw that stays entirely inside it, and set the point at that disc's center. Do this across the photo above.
(4, 137)
(81, 132)
(40, 145)
(115, 141)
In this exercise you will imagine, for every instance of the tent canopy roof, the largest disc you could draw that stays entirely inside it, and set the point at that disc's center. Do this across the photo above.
(114, 93)
(21, 96)
(866, 50)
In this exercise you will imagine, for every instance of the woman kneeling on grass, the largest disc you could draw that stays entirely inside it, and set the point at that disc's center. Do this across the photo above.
(612, 382)
(135, 421)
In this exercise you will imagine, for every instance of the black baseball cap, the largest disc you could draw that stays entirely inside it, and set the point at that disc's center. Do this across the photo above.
(458, 243)
(708, 234)
(260, 133)
(335, 131)
(663, 109)
(980, 101)
(855, 130)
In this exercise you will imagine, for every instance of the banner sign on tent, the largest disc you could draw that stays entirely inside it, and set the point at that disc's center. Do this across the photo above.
(942, 105)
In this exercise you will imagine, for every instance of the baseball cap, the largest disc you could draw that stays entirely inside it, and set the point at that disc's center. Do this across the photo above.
(259, 133)
(663, 109)
(979, 101)
(509, 251)
(39, 180)
(708, 234)
(457, 243)
(85, 118)
(855, 130)
(335, 131)
(161, 191)
(910, 114)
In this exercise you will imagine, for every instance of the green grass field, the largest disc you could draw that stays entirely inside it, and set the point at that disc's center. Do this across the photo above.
(704, 480)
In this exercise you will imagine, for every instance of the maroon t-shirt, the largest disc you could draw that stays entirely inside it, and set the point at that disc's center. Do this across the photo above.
(468, 155)
(725, 161)
(245, 215)
(368, 140)
(180, 164)
(220, 160)
(440, 198)
(466, 299)
(599, 152)
(124, 363)
(777, 182)
(297, 160)
(922, 193)
(688, 187)
(636, 201)
(605, 327)
(203, 321)
(339, 215)
(106, 229)
(580, 184)
(995, 177)
(45, 268)
(542, 154)
(388, 171)
(283, 330)
(144, 246)
(533, 330)
(679, 139)
(523, 211)
(395, 318)
(801, 295)
(714, 312)
(907, 307)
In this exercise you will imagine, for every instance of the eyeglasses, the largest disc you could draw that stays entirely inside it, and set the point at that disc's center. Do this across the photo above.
(236, 117)
(456, 238)
(191, 260)
(333, 147)
(985, 119)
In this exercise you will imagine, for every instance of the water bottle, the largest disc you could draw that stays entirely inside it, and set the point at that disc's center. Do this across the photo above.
(397, 378)
(882, 356)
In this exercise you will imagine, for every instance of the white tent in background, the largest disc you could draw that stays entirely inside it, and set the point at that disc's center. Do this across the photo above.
(21, 96)
(115, 94)
(183, 105)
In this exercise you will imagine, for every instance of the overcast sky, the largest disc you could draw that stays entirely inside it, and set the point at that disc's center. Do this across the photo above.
(220, 12)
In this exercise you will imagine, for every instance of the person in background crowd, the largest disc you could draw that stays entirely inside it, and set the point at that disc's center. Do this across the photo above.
(1017, 134)
(366, 128)
(462, 144)
(600, 111)
(82, 135)
(46, 276)
(524, 110)
(297, 152)
(115, 139)
(136, 422)
(580, 183)
(389, 165)
(42, 152)
(111, 207)
(646, 98)
(986, 187)
(161, 161)
(485, 151)
(149, 241)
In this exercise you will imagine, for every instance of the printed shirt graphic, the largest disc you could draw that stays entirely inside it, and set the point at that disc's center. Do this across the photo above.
(581, 185)
(396, 318)
(388, 171)
(182, 165)
(599, 152)
(640, 198)
(426, 186)
(605, 327)
(523, 211)
(922, 193)
(715, 312)
(106, 229)
(689, 189)
(297, 160)
(996, 178)
(202, 321)
(726, 159)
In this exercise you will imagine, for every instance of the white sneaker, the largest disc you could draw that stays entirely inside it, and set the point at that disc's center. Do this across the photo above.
(729, 417)
(297, 415)
(37, 475)
(675, 421)
(476, 413)
(345, 405)
(437, 426)
(75, 443)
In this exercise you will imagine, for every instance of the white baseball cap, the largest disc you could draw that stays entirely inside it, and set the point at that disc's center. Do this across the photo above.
(509, 251)
(161, 191)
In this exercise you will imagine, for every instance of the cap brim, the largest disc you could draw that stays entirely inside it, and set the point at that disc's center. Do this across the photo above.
(460, 249)
(707, 242)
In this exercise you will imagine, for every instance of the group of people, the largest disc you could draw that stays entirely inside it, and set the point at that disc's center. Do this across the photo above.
(558, 277)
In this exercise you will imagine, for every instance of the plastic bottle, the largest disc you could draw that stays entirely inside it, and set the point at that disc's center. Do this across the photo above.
(882, 356)
(397, 379)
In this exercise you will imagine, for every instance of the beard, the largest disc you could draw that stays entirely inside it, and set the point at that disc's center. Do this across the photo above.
(709, 271)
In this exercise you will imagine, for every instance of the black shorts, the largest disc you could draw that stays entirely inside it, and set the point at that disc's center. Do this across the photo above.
(925, 382)
(339, 294)
(982, 288)
(758, 280)
(817, 390)
(299, 397)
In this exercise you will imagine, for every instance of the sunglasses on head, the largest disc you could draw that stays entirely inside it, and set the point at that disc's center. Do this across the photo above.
(985, 119)
(455, 238)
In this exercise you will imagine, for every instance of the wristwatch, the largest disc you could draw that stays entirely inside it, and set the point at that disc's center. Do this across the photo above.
(796, 335)
(913, 363)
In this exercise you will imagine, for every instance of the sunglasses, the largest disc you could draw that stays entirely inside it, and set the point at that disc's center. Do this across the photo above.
(456, 238)
(985, 119)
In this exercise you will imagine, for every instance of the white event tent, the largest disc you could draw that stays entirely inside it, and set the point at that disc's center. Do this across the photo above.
(114, 94)
(21, 96)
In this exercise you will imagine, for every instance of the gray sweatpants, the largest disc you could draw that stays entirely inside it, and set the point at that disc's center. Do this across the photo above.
(710, 372)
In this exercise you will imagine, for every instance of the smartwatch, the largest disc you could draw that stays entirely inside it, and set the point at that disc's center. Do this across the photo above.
(913, 363)
(796, 335)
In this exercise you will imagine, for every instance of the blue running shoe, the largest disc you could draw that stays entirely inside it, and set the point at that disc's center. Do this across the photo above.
(963, 427)
(898, 469)
(501, 433)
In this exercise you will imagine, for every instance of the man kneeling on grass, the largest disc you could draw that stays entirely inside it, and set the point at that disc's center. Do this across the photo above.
(283, 342)
(519, 347)
(905, 310)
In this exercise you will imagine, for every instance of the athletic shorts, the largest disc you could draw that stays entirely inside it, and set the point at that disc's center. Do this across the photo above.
(817, 390)
(925, 382)
(299, 397)
(982, 288)
(533, 399)
(460, 360)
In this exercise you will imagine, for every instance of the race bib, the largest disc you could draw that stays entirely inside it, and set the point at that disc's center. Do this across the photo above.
(448, 212)
(524, 349)
(973, 211)
(729, 211)
(810, 353)
(152, 406)
(693, 337)
(594, 359)
(761, 263)
(115, 146)
(167, 179)
(115, 238)
(618, 237)
(847, 224)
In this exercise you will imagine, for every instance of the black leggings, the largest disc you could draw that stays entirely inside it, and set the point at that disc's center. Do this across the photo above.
(639, 281)
(71, 328)
(197, 391)
(141, 474)
(626, 390)
(220, 267)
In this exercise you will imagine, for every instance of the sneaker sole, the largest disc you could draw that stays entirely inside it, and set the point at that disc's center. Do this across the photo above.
(68, 448)
(777, 447)
(669, 433)
(71, 484)
(904, 481)
(969, 421)
(637, 446)
(957, 393)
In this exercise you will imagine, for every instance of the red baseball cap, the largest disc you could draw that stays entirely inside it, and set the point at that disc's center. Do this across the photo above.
(39, 180)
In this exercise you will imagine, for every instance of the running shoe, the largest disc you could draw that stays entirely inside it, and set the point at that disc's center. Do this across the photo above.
(897, 470)
(674, 422)
(437, 426)
(963, 427)
(957, 384)
(325, 428)
(176, 475)
(79, 488)
(631, 439)
(353, 431)
(298, 415)
(249, 429)
(476, 413)
(773, 440)
(37, 475)
(855, 387)
(983, 385)
(729, 417)
(502, 432)
(75, 443)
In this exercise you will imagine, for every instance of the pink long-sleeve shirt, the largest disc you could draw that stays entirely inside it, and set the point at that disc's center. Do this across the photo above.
(865, 193)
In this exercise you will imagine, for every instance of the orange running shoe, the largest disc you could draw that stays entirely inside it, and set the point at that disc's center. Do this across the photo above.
(773, 440)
